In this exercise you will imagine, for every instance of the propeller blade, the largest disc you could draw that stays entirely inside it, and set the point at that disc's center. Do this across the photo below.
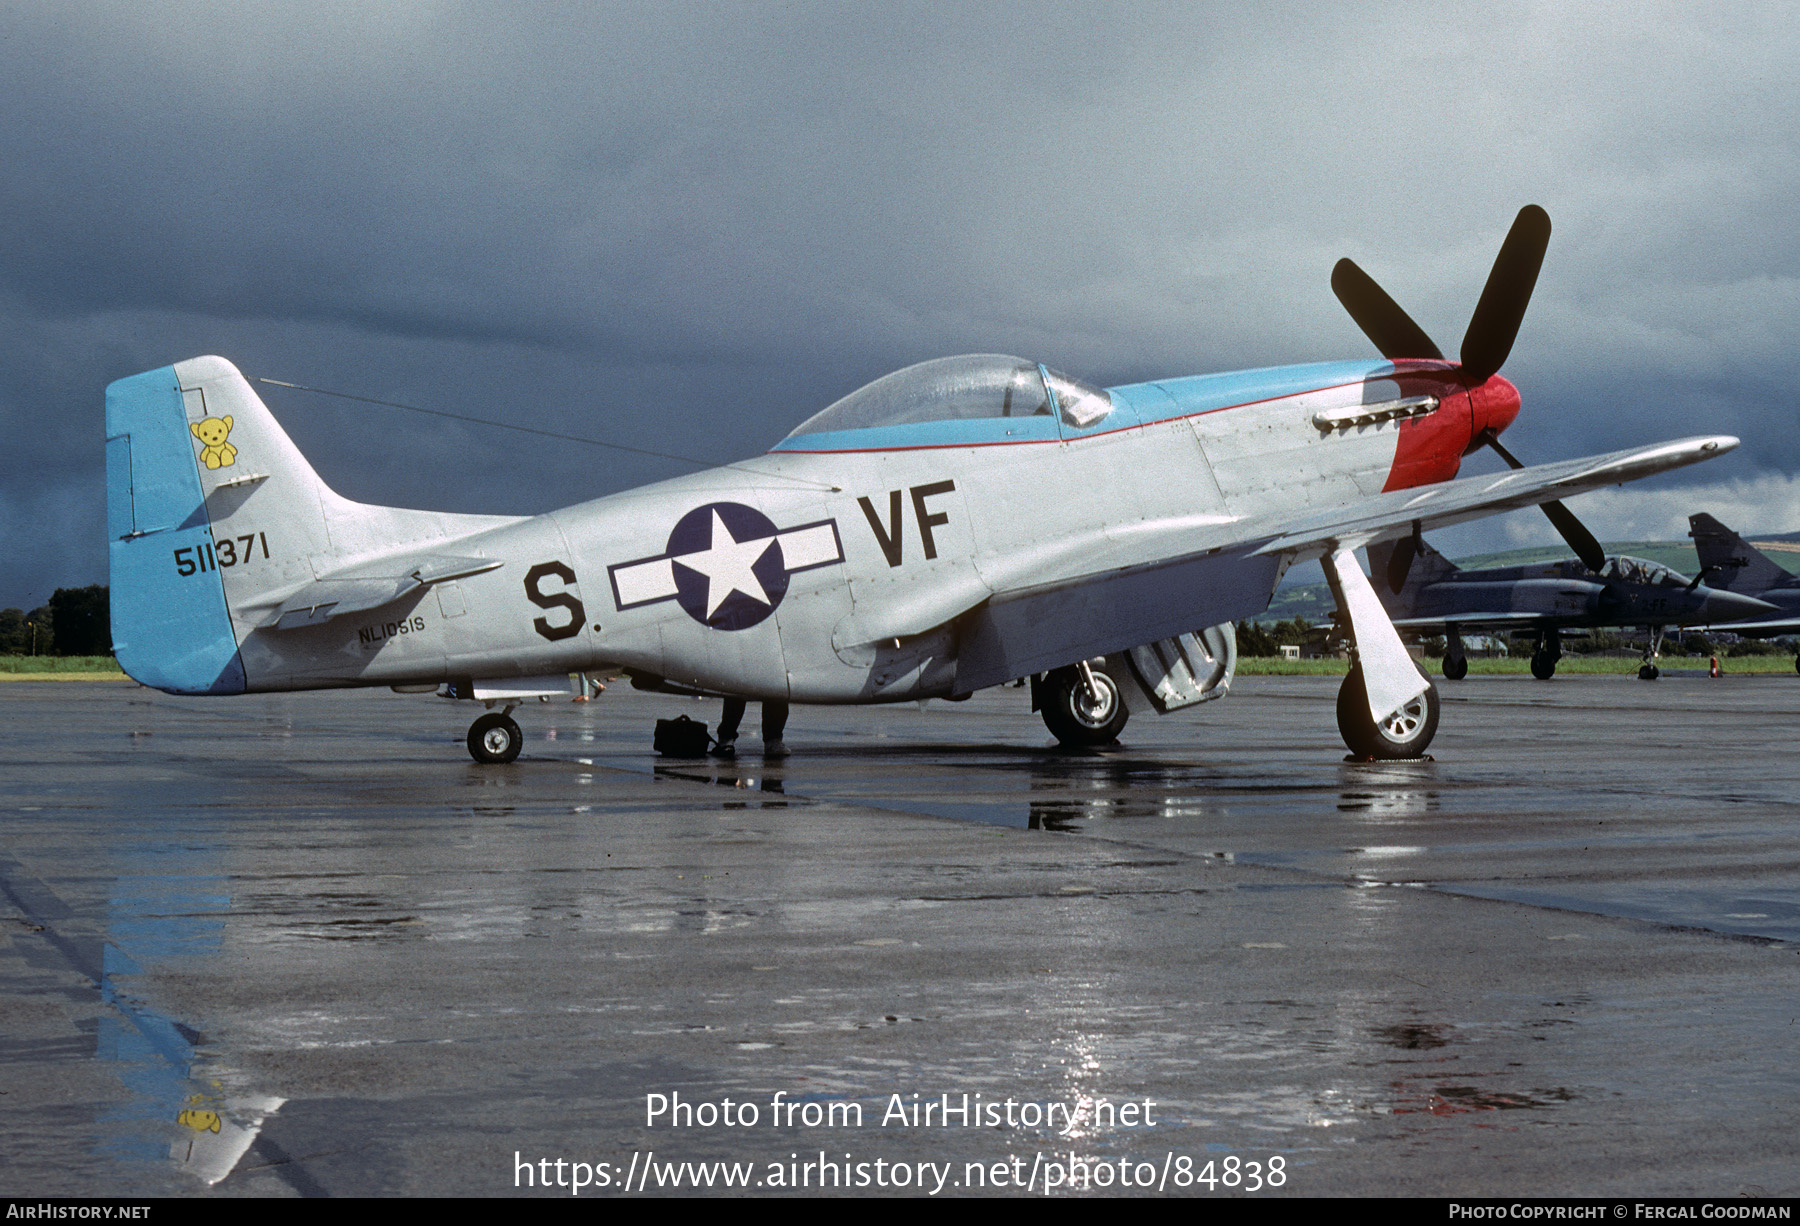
(1379, 316)
(1401, 560)
(1573, 530)
(1495, 324)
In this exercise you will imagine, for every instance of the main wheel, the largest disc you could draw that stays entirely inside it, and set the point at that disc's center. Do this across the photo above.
(1456, 667)
(1543, 667)
(494, 738)
(1404, 734)
(1649, 672)
(1076, 717)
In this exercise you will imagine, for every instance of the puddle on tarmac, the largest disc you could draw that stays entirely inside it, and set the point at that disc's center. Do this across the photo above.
(1413, 1036)
(164, 904)
(1447, 1098)
(1768, 912)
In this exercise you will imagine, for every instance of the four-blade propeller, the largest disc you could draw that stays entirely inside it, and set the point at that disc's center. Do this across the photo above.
(1485, 346)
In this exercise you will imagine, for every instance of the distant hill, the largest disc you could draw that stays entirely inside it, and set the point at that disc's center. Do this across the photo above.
(1677, 555)
(1313, 600)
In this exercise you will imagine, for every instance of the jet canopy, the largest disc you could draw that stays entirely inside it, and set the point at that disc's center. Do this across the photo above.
(1637, 570)
(982, 385)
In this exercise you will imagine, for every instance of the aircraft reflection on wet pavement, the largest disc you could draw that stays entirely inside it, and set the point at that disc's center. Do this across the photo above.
(1423, 590)
(164, 906)
(1043, 790)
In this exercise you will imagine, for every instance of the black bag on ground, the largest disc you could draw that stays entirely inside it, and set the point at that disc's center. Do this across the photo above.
(681, 737)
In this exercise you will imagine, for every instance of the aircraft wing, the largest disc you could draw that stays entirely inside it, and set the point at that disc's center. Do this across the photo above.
(1455, 502)
(1763, 629)
(1140, 582)
(1485, 621)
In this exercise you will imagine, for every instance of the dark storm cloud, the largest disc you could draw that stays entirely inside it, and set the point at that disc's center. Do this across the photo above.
(688, 228)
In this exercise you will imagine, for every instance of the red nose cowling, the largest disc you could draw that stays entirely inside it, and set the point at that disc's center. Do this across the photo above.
(1431, 448)
(1493, 406)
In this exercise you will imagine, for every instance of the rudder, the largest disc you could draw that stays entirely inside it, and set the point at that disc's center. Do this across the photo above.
(170, 625)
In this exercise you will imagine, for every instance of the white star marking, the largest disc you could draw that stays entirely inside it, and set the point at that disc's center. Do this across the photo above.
(726, 563)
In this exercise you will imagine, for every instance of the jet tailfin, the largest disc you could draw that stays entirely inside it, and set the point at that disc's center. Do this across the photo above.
(1729, 562)
(1428, 566)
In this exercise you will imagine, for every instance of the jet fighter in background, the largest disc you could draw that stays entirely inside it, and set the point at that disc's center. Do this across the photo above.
(1546, 598)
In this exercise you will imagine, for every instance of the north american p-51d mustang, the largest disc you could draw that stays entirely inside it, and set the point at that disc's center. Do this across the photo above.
(959, 524)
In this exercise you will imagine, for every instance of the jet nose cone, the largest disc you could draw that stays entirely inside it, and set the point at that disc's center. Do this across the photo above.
(1731, 607)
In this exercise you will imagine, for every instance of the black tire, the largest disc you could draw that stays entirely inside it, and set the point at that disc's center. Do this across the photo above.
(1404, 735)
(1456, 669)
(1649, 672)
(494, 739)
(1075, 719)
(1542, 666)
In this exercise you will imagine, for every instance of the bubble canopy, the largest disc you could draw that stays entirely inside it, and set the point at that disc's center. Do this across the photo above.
(969, 388)
(1637, 570)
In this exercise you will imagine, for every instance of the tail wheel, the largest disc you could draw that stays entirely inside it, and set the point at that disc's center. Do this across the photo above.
(1079, 714)
(495, 739)
(1404, 734)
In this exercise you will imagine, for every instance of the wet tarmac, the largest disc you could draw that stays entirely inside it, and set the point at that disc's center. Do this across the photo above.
(302, 946)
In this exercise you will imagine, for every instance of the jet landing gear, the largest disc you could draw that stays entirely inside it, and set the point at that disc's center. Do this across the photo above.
(1648, 671)
(1404, 734)
(1549, 651)
(495, 739)
(1456, 659)
(1083, 706)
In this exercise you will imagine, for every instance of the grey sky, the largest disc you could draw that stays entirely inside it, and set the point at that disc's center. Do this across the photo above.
(687, 228)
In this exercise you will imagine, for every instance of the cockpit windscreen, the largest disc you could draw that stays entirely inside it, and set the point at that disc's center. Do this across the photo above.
(961, 388)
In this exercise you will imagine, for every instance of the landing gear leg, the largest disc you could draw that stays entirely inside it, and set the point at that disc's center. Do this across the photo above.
(1549, 651)
(495, 739)
(1456, 659)
(1647, 671)
(1386, 707)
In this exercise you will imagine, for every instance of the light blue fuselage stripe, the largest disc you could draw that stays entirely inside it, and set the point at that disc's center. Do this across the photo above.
(169, 630)
(1134, 404)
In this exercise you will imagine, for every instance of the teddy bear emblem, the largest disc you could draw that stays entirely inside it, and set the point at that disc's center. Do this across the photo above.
(212, 432)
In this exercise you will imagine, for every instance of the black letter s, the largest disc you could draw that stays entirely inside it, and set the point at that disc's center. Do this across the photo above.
(554, 600)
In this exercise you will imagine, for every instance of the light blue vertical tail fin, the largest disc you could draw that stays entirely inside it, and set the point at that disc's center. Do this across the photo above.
(170, 625)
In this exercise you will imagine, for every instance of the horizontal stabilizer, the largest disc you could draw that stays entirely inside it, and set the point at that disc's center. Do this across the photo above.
(357, 589)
